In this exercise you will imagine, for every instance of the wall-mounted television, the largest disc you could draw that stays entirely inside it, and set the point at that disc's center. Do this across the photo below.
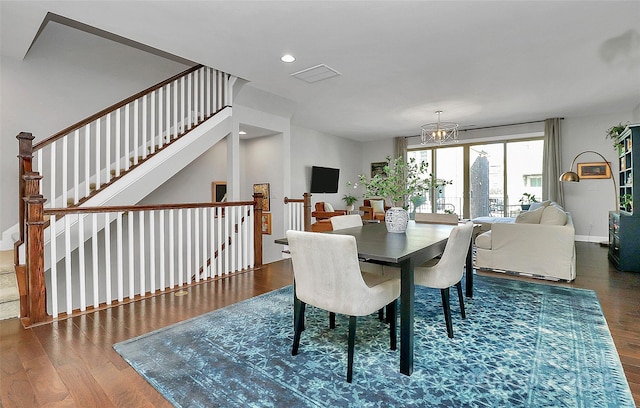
(324, 180)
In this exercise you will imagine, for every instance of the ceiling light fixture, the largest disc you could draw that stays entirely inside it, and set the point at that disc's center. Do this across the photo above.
(287, 58)
(242, 132)
(439, 132)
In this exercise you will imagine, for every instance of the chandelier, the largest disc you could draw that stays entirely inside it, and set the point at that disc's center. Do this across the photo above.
(439, 132)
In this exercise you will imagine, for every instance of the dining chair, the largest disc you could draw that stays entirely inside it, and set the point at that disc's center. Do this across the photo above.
(339, 222)
(327, 276)
(448, 271)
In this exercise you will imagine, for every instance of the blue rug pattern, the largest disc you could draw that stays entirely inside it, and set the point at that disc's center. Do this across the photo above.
(522, 345)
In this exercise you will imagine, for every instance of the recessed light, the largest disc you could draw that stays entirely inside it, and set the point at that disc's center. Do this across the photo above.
(288, 58)
(242, 132)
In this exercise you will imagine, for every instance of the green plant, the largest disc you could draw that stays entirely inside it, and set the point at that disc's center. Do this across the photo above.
(614, 132)
(528, 198)
(349, 199)
(626, 201)
(400, 182)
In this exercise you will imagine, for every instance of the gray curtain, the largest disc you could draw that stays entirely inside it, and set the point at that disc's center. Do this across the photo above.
(551, 162)
(400, 147)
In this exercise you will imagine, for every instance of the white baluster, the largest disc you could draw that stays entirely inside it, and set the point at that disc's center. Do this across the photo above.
(53, 249)
(118, 154)
(76, 167)
(196, 98)
(176, 131)
(189, 118)
(94, 258)
(136, 123)
(67, 262)
(180, 250)
(153, 122)
(160, 118)
(163, 285)
(203, 113)
(227, 234)
(107, 153)
(245, 235)
(189, 250)
(219, 239)
(172, 251)
(152, 251)
(168, 112)
(107, 258)
(97, 166)
(204, 243)
(252, 220)
(208, 92)
(52, 176)
(127, 132)
(87, 161)
(212, 251)
(196, 246)
(131, 240)
(39, 170)
(141, 253)
(145, 135)
(81, 264)
(120, 257)
(182, 112)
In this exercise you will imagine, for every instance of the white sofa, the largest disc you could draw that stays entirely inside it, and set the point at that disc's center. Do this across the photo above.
(540, 243)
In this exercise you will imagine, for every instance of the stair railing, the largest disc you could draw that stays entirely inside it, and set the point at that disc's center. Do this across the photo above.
(113, 255)
(299, 213)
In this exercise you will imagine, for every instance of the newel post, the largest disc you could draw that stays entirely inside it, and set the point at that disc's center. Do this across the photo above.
(307, 211)
(37, 301)
(25, 157)
(257, 229)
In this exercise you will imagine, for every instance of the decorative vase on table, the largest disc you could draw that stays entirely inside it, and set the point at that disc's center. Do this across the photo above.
(396, 219)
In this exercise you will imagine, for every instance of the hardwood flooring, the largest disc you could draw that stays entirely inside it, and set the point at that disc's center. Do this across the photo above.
(71, 363)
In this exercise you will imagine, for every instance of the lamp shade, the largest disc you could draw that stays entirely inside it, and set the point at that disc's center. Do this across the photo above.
(570, 176)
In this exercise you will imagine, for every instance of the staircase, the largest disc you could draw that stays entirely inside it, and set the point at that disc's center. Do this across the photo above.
(9, 297)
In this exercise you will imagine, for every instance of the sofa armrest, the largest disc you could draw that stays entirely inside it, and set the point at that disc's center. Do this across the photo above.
(321, 215)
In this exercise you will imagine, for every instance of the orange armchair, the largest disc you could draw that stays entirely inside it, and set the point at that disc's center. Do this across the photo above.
(369, 212)
(321, 214)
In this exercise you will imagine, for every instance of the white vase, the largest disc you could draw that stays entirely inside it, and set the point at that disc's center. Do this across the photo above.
(396, 219)
(350, 208)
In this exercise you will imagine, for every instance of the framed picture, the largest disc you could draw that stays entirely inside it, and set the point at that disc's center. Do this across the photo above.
(219, 191)
(264, 189)
(266, 223)
(599, 170)
(377, 168)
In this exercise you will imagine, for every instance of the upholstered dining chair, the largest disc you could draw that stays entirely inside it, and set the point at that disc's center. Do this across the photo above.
(447, 272)
(327, 275)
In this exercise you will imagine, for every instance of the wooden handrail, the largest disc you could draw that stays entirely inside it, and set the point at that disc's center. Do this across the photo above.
(150, 207)
(111, 108)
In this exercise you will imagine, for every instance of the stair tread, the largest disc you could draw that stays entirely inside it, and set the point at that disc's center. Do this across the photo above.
(9, 294)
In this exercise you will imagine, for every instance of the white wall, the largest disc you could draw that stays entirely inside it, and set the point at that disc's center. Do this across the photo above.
(67, 76)
(589, 201)
(312, 148)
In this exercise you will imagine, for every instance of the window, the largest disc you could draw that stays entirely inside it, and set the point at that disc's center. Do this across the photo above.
(498, 175)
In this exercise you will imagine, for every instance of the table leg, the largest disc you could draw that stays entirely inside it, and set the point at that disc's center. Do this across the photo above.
(469, 271)
(407, 297)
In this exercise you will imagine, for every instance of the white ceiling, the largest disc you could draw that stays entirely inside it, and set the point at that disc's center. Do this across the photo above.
(482, 62)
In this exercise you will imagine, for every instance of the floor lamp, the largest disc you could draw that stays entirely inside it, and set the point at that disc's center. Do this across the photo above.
(572, 176)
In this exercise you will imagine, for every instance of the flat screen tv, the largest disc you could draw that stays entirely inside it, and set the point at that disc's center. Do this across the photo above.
(324, 180)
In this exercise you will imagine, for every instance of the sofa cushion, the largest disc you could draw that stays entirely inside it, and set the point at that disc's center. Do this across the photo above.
(484, 240)
(377, 206)
(328, 207)
(536, 205)
(530, 217)
(553, 216)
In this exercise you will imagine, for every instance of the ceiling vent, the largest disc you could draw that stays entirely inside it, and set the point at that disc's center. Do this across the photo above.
(316, 73)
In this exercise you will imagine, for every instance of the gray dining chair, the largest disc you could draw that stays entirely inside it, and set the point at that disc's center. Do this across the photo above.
(448, 271)
(328, 276)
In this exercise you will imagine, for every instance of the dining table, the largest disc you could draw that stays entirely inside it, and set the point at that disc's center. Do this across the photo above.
(420, 243)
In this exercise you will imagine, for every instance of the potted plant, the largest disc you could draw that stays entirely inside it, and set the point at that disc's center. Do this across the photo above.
(614, 132)
(526, 200)
(350, 200)
(626, 202)
(400, 182)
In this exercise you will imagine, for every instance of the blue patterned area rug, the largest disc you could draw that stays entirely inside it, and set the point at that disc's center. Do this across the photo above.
(522, 345)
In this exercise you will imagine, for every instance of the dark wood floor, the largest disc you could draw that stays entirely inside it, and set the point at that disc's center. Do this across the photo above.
(72, 363)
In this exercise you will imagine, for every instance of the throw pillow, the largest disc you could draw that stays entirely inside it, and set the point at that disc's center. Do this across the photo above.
(536, 205)
(377, 206)
(328, 207)
(530, 217)
(553, 216)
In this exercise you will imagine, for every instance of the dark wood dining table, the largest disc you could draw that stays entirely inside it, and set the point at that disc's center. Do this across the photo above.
(420, 243)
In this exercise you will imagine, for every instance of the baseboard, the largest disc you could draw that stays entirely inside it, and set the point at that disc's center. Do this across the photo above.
(591, 238)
